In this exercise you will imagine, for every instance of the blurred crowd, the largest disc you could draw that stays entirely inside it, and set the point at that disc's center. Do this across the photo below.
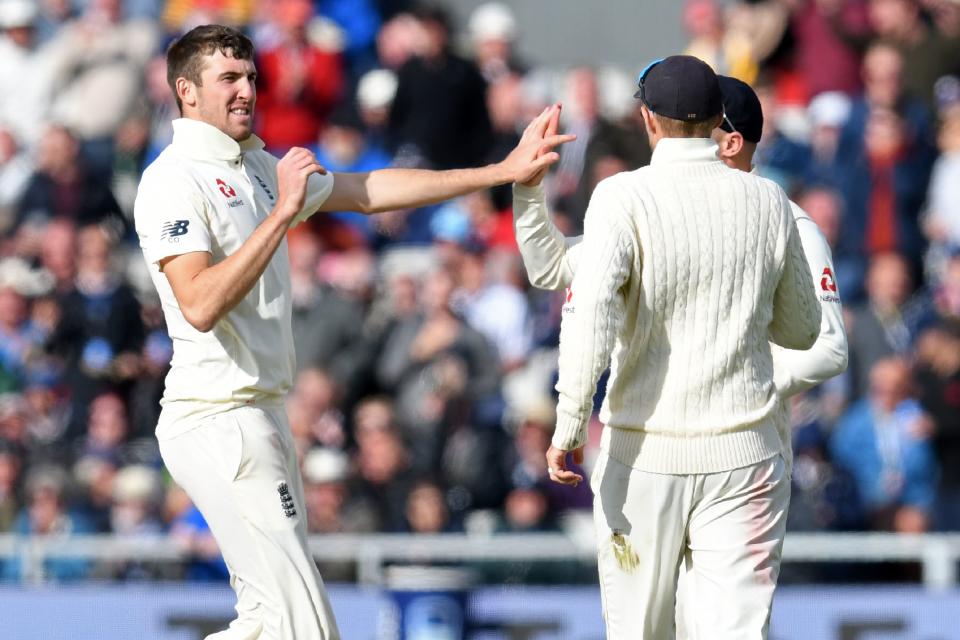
(424, 399)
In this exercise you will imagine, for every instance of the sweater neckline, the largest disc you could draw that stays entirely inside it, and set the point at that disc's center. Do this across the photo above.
(685, 150)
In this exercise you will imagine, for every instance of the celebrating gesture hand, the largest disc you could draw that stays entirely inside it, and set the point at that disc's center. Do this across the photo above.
(528, 162)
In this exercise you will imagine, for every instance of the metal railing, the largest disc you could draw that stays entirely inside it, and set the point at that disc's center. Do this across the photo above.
(938, 554)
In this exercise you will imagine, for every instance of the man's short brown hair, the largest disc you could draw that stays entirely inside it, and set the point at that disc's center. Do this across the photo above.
(687, 128)
(185, 55)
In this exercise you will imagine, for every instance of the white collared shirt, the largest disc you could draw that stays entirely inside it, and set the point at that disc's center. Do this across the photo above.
(206, 192)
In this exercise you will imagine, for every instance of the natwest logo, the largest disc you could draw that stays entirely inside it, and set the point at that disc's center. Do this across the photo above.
(569, 294)
(827, 283)
(226, 189)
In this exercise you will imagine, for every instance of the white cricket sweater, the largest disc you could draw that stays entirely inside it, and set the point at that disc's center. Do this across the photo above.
(551, 259)
(687, 269)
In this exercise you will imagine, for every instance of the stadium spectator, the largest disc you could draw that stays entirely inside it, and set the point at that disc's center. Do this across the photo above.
(825, 61)
(884, 442)
(326, 474)
(11, 466)
(524, 460)
(99, 53)
(95, 475)
(191, 533)
(26, 71)
(63, 185)
(426, 509)
(928, 54)
(344, 146)
(382, 461)
(15, 171)
(938, 383)
(440, 98)
(602, 147)
(889, 321)
(493, 303)
(107, 429)
(47, 513)
(375, 92)
(101, 338)
(942, 220)
(887, 157)
(300, 82)
(314, 409)
(728, 52)
(493, 31)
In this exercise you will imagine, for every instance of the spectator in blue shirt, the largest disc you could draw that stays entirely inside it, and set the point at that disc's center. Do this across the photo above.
(884, 442)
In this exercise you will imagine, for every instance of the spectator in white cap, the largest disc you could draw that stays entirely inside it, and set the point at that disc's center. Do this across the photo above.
(493, 30)
(136, 500)
(26, 78)
(828, 113)
(375, 92)
(325, 474)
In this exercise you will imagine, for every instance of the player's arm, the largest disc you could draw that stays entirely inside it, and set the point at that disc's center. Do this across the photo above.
(206, 291)
(796, 309)
(796, 371)
(549, 258)
(591, 321)
(390, 189)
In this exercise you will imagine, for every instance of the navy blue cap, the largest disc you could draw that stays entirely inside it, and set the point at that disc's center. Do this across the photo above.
(682, 88)
(741, 109)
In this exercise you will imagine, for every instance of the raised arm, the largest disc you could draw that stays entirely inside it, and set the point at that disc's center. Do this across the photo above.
(389, 189)
(549, 257)
(795, 371)
(205, 291)
(796, 310)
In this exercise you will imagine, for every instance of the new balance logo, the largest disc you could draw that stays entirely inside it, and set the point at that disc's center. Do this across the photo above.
(286, 500)
(173, 229)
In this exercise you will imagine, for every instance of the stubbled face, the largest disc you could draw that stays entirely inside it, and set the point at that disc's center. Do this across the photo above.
(226, 97)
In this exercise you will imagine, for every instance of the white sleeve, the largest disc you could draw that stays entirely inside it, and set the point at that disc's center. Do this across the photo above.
(547, 255)
(318, 187)
(796, 310)
(170, 216)
(593, 314)
(318, 190)
(796, 371)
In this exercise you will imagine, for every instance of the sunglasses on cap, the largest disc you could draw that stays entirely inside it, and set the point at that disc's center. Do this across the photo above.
(726, 125)
(640, 95)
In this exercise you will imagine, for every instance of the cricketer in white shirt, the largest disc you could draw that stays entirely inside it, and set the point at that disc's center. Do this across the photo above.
(212, 214)
(551, 260)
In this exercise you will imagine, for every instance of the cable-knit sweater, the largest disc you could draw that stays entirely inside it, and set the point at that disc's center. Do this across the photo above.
(687, 269)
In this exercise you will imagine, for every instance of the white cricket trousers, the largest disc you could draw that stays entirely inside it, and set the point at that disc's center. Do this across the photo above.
(240, 469)
(726, 527)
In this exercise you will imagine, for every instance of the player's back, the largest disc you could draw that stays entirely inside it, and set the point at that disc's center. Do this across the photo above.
(710, 244)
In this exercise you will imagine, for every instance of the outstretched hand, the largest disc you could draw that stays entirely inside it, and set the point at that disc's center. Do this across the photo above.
(553, 125)
(557, 465)
(535, 152)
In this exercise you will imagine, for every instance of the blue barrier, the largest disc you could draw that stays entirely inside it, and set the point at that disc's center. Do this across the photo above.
(190, 611)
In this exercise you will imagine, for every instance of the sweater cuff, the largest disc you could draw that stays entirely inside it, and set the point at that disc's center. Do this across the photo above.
(571, 432)
(522, 192)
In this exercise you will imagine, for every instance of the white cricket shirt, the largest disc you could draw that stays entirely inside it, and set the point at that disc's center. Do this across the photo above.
(207, 192)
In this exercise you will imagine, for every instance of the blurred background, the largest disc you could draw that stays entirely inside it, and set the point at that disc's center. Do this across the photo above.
(424, 399)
